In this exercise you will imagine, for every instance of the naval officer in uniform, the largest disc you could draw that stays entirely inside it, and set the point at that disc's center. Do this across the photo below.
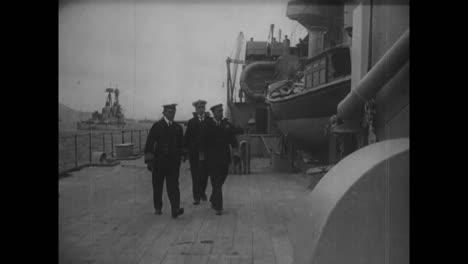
(196, 127)
(163, 152)
(219, 139)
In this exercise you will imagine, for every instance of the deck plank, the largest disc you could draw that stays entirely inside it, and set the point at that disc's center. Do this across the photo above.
(193, 220)
(206, 237)
(243, 237)
(159, 248)
(276, 216)
(263, 251)
(106, 216)
(135, 247)
(174, 259)
(225, 233)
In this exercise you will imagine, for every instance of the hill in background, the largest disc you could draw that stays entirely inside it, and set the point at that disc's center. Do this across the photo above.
(69, 116)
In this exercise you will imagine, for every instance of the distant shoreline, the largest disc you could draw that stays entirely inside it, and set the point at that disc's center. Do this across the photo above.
(70, 129)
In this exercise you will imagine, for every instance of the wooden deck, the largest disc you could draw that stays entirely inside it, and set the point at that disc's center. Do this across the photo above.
(106, 216)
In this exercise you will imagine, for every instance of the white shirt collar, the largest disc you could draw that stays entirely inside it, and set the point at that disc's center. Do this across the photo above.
(167, 121)
(201, 117)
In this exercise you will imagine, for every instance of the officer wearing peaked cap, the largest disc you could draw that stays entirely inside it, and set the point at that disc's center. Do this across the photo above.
(219, 138)
(199, 103)
(163, 151)
(196, 128)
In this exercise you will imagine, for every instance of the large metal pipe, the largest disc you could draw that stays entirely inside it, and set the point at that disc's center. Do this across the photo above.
(254, 66)
(390, 63)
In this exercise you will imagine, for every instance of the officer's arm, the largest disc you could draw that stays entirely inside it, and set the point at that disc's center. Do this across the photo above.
(150, 142)
(188, 136)
(180, 138)
(205, 137)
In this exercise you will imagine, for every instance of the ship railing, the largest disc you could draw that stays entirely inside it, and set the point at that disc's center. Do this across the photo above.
(77, 150)
(260, 145)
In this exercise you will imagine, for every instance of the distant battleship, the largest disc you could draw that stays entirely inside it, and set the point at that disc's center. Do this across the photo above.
(110, 118)
(146, 121)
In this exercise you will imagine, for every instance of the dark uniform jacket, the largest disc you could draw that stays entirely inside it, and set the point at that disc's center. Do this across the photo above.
(193, 136)
(164, 143)
(217, 140)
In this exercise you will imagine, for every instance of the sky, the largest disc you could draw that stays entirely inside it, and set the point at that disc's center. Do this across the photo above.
(157, 53)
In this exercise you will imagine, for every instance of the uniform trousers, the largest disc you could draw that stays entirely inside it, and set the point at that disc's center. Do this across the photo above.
(168, 172)
(199, 171)
(218, 175)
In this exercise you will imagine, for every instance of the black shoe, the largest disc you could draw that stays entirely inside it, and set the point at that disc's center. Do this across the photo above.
(203, 198)
(196, 202)
(157, 212)
(177, 213)
(219, 212)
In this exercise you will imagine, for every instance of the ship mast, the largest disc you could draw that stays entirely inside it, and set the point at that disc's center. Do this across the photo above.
(240, 40)
(231, 79)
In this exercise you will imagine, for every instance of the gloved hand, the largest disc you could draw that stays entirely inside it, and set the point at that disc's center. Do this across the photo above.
(149, 166)
(235, 152)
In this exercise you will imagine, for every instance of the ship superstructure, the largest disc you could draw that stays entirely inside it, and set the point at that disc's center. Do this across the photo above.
(110, 117)
(264, 63)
